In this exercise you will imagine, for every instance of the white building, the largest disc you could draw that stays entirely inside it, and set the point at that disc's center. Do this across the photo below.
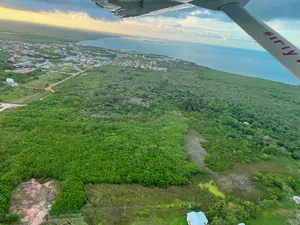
(10, 81)
(197, 218)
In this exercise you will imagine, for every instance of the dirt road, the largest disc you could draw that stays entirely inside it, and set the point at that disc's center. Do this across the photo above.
(4, 106)
(53, 85)
(73, 75)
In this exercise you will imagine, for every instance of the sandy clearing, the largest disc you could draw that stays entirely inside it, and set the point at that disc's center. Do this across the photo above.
(32, 201)
(193, 147)
(235, 181)
(4, 106)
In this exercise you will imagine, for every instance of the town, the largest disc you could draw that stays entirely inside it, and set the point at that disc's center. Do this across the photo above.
(27, 57)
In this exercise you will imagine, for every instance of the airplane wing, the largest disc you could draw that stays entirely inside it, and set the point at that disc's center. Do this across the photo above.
(131, 8)
(281, 49)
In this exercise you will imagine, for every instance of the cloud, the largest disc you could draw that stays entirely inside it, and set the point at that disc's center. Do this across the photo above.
(159, 27)
(264, 9)
(275, 9)
(86, 6)
(191, 25)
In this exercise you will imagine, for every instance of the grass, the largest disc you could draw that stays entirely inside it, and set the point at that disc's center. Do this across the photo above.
(34, 89)
(280, 165)
(11, 94)
(37, 97)
(270, 218)
(180, 221)
(47, 79)
(279, 216)
(212, 189)
(138, 205)
(289, 165)
(277, 165)
(74, 219)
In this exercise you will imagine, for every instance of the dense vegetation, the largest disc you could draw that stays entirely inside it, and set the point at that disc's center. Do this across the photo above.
(70, 198)
(126, 126)
(241, 117)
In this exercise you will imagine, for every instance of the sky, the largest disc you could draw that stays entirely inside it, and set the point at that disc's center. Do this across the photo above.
(188, 25)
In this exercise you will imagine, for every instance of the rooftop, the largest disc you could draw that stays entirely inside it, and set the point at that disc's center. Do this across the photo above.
(197, 218)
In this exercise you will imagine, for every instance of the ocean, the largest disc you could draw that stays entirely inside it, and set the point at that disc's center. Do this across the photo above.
(240, 61)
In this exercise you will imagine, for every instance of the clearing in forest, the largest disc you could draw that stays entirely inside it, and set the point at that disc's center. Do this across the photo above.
(4, 106)
(110, 204)
(32, 201)
(193, 147)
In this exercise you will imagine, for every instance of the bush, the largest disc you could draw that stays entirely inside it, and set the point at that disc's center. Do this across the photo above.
(71, 197)
(143, 213)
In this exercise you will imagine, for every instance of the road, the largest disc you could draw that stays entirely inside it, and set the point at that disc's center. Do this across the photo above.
(4, 106)
(53, 85)
(73, 75)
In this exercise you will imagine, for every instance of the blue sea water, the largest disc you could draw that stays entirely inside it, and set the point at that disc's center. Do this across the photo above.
(240, 61)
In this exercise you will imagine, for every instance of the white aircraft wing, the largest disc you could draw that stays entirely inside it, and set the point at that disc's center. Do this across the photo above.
(131, 8)
(281, 49)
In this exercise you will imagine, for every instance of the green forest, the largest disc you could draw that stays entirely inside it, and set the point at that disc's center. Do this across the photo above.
(126, 126)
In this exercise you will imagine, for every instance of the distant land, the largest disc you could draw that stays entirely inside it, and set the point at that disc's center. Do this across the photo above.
(250, 63)
(245, 62)
(28, 32)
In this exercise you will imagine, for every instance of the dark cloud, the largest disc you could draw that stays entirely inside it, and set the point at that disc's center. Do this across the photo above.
(86, 6)
(264, 9)
(198, 12)
(275, 9)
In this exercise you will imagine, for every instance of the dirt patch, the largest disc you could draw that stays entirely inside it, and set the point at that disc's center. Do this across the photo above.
(32, 201)
(296, 219)
(4, 106)
(235, 181)
(193, 147)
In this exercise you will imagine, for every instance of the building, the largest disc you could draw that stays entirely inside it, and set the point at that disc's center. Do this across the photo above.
(22, 70)
(45, 65)
(70, 58)
(196, 218)
(296, 199)
(10, 81)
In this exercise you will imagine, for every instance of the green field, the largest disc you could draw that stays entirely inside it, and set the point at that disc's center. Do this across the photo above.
(138, 205)
(9, 94)
(279, 215)
(212, 189)
(47, 79)
(33, 88)
(115, 141)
